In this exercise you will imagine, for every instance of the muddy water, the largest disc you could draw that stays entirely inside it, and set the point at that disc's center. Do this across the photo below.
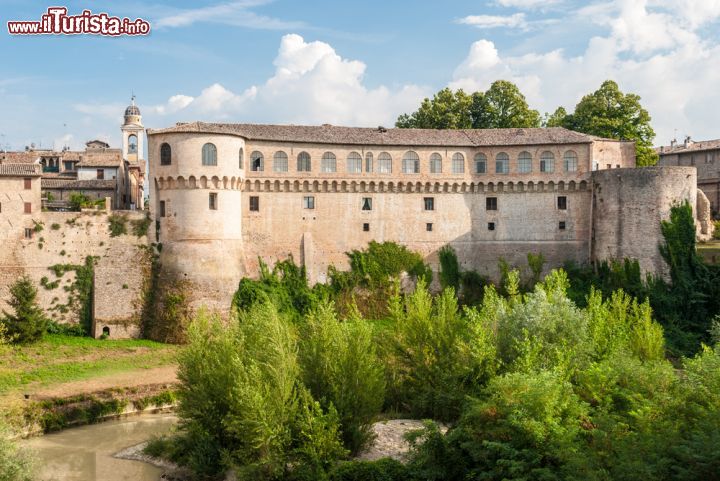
(85, 453)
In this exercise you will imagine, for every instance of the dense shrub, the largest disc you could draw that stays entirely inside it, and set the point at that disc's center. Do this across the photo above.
(28, 322)
(341, 369)
(385, 469)
(15, 463)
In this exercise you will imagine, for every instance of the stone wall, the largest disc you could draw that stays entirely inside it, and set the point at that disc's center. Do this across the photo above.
(68, 238)
(628, 206)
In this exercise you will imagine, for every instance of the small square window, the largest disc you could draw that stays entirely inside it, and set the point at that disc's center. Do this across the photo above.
(28, 233)
(562, 225)
(366, 227)
(562, 202)
(28, 208)
(254, 203)
(491, 225)
(367, 203)
(308, 202)
(28, 183)
(162, 208)
(213, 201)
(428, 227)
(617, 166)
(609, 166)
(491, 203)
(100, 174)
(429, 203)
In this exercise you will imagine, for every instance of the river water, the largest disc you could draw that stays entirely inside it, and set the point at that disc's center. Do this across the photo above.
(85, 453)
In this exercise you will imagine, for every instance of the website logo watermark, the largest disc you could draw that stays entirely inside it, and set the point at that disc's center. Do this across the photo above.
(56, 21)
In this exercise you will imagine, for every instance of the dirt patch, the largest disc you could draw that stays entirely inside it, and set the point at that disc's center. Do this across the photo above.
(390, 439)
(126, 379)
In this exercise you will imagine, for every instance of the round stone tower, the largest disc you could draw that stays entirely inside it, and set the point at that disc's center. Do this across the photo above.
(196, 180)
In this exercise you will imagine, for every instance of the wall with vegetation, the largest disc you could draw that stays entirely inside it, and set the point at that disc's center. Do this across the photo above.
(68, 250)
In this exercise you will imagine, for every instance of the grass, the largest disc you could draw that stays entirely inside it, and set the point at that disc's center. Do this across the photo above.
(58, 359)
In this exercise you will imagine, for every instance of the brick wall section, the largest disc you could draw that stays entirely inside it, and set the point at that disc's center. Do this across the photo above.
(121, 260)
(629, 205)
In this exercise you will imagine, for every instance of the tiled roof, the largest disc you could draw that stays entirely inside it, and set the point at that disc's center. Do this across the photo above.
(72, 184)
(20, 170)
(692, 147)
(105, 158)
(330, 134)
(19, 157)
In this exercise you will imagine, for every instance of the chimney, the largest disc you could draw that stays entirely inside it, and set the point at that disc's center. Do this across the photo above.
(688, 141)
(673, 143)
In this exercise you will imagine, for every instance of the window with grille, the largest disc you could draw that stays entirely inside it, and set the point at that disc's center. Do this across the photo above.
(165, 154)
(384, 163)
(366, 227)
(491, 203)
(524, 162)
(254, 203)
(571, 161)
(329, 162)
(435, 163)
(491, 225)
(280, 161)
(458, 163)
(354, 163)
(480, 163)
(411, 163)
(561, 225)
(257, 162)
(304, 163)
(562, 202)
(213, 200)
(209, 154)
(502, 163)
(547, 162)
(428, 227)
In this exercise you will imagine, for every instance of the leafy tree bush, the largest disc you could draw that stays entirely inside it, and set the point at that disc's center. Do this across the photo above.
(28, 322)
(385, 469)
(435, 357)
(79, 200)
(449, 268)
(15, 463)
(341, 369)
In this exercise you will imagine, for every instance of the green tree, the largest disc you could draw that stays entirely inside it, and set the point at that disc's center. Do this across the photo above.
(556, 119)
(502, 106)
(610, 113)
(28, 323)
(446, 110)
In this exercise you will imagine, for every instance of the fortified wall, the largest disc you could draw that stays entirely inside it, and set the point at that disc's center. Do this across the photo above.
(54, 255)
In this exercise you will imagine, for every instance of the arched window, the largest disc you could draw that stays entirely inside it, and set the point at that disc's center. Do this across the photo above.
(368, 162)
(570, 161)
(132, 144)
(165, 154)
(257, 162)
(209, 154)
(384, 163)
(241, 158)
(411, 163)
(328, 163)
(304, 164)
(480, 163)
(354, 163)
(435, 163)
(280, 161)
(458, 163)
(502, 163)
(547, 161)
(524, 162)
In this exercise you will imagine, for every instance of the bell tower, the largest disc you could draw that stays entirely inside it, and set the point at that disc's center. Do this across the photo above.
(133, 134)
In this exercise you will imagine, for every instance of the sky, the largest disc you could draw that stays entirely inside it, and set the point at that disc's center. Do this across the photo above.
(359, 63)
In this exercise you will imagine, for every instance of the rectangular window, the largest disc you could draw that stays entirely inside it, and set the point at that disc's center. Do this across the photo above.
(491, 225)
(254, 203)
(213, 201)
(100, 174)
(28, 208)
(562, 225)
(366, 227)
(308, 202)
(366, 203)
(28, 183)
(609, 166)
(28, 233)
(428, 227)
(491, 203)
(562, 202)
(617, 166)
(69, 165)
(429, 203)
(162, 208)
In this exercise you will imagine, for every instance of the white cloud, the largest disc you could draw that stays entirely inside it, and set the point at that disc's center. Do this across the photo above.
(311, 84)
(516, 20)
(648, 49)
(236, 13)
(528, 4)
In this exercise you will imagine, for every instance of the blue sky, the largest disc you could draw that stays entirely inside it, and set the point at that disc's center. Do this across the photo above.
(352, 63)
